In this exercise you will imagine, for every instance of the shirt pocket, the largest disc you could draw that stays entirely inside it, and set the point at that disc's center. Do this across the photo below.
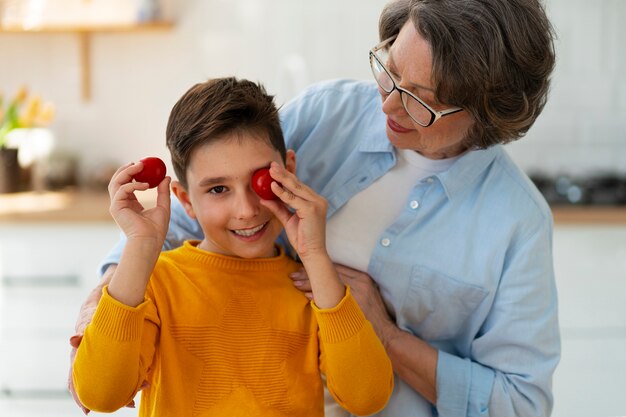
(437, 306)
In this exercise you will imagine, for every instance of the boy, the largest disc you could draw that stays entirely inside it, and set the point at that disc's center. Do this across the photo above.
(216, 328)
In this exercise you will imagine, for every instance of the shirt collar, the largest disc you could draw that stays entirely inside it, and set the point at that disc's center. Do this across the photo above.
(462, 173)
(467, 169)
(378, 141)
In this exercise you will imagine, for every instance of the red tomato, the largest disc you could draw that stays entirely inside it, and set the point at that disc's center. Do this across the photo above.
(261, 184)
(153, 171)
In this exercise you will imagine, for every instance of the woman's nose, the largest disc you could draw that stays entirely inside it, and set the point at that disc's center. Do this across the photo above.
(392, 103)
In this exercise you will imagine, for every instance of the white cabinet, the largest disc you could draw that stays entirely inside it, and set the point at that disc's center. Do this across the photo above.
(590, 267)
(46, 271)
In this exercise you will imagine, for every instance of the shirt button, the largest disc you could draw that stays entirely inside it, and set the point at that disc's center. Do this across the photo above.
(385, 242)
(429, 180)
(414, 204)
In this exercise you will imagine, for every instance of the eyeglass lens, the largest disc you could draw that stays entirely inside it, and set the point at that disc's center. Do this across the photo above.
(414, 108)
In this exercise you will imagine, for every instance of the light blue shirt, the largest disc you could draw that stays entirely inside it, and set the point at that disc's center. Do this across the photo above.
(469, 269)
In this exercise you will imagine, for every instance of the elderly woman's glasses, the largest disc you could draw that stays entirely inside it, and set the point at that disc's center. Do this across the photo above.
(420, 112)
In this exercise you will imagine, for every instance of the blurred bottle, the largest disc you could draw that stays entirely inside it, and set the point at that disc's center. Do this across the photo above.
(148, 10)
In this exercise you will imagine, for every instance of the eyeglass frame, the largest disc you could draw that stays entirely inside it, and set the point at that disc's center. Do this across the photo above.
(434, 114)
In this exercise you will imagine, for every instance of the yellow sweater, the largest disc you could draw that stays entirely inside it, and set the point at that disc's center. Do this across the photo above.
(225, 336)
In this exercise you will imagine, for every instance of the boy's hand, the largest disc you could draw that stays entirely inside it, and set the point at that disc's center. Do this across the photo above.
(130, 215)
(306, 224)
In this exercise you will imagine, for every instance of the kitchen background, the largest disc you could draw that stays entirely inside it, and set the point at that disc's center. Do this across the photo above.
(113, 89)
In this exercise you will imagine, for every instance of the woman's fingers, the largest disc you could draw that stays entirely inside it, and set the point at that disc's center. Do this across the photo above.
(302, 283)
(301, 280)
(348, 272)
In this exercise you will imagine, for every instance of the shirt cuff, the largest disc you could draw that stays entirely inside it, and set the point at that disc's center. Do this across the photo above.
(117, 320)
(463, 387)
(340, 322)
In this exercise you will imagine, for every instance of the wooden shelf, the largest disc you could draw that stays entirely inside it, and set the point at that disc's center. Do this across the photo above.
(84, 32)
(69, 206)
(89, 28)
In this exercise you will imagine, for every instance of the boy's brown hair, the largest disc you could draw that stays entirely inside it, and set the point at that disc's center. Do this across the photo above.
(210, 110)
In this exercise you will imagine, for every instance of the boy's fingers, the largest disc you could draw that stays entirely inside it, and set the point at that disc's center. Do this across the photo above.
(122, 168)
(290, 182)
(123, 175)
(126, 191)
(290, 199)
(129, 188)
(126, 172)
(163, 193)
(279, 210)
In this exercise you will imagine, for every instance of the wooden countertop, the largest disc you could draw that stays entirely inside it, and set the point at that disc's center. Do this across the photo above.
(90, 206)
(59, 206)
(589, 215)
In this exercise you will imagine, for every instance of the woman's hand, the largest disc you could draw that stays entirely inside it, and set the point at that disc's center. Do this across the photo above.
(365, 292)
(306, 224)
(414, 361)
(130, 215)
(367, 295)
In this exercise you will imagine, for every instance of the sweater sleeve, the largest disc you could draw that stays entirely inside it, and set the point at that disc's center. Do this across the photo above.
(114, 358)
(358, 371)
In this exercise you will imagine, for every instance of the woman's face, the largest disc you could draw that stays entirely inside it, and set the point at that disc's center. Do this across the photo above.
(410, 63)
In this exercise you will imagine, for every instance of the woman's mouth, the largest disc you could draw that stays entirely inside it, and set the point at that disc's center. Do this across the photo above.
(396, 127)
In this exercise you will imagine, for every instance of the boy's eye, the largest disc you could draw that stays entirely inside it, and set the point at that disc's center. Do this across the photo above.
(218, 189)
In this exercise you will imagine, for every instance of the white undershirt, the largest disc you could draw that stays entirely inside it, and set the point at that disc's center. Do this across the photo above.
(354, 229)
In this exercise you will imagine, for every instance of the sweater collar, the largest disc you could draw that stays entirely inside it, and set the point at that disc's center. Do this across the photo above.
(219, 261)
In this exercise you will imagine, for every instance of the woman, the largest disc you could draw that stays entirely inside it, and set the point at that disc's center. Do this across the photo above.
(444, 242)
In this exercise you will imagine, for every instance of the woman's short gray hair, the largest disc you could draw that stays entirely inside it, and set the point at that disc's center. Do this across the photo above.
(494, 58)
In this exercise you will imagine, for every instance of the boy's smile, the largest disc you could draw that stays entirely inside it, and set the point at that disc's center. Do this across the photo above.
(248, 233)
(221, 198)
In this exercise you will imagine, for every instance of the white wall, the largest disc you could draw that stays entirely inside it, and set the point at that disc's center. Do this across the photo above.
(137, 77)
(583, 127)
(287, 44)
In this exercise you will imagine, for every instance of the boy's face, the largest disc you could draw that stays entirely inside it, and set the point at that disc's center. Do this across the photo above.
(221, 198)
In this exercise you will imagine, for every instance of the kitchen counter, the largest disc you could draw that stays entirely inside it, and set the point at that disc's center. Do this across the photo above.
(590, 215)
(60, 206)
(90, 206)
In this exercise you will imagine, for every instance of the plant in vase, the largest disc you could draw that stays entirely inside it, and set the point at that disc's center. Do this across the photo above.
(21, 112)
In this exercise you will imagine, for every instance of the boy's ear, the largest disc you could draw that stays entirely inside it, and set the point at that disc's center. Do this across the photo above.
(183, 196)
(290, 161)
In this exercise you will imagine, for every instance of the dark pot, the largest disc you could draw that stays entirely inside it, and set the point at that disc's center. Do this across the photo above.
(9, 171)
